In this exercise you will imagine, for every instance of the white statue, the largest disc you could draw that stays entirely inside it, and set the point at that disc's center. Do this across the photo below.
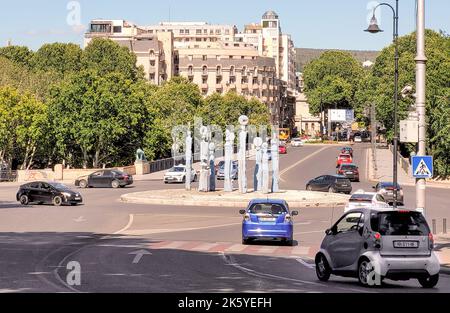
(257, 177)
(243, 121)
(229, 150)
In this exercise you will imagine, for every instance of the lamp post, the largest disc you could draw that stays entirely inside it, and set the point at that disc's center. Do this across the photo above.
(374, 28)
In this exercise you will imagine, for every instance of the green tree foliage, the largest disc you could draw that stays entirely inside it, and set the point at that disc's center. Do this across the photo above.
(106, 56)
(22, 126)
(98, 119)
(62, 58)
(381, 87)
(332, 79)
(17, 54)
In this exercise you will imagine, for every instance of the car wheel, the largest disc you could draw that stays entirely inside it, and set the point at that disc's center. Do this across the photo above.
(289, 242)
(57, 201)
(331, 190)
(365, 268)
(245, 241)
(309, 188)
(429, 281)
(83, 184)
(323, 270)
(73, 204)
(24, 200)
(115, 184)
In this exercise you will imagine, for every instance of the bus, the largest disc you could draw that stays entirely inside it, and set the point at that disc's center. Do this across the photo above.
(284, 134)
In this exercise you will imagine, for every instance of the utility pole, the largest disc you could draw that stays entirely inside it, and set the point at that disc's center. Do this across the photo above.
(421, 61)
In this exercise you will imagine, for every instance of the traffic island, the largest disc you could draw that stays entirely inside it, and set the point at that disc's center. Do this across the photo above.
(295, 198)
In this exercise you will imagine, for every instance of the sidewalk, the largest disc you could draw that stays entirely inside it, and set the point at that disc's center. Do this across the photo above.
(384, 166)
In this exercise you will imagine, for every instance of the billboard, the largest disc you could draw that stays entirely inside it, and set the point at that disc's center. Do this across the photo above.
(342, 115)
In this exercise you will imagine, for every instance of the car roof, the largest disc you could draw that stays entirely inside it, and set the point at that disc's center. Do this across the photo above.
(268, 201)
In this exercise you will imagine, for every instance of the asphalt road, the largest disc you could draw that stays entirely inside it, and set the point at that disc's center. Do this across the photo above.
(141, 248)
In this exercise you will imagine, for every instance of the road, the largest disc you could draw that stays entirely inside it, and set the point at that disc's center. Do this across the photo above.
(142, 248)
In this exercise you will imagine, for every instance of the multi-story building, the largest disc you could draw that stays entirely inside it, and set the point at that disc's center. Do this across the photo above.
(186, 33)
(229, 66)
(155, 53)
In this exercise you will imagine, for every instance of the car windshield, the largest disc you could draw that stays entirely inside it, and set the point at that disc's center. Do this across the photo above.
(361, 198)
(348, 167)
(388, 185)
(59, 186)
(267, 208)
(400, 223)
(177, 169)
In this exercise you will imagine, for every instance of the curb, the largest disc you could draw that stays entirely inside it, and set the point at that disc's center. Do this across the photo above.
(445, 270)
(131, 198)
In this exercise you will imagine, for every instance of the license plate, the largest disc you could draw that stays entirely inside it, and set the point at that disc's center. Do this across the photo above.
(77, 198)
(406, 244)
(267, 219)
(349, 173)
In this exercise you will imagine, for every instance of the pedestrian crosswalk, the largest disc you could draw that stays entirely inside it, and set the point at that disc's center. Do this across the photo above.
(234, 248)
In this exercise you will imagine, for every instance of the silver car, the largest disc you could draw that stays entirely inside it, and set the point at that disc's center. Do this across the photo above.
(373, 244)
(234, 171)
(386, 189)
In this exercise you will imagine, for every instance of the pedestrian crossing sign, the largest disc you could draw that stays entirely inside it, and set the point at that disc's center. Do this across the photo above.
(422, 166)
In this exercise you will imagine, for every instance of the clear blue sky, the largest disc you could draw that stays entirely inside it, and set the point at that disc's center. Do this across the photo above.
(312, 23)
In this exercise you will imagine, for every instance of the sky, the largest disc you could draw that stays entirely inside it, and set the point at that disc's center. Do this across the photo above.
(324, 24)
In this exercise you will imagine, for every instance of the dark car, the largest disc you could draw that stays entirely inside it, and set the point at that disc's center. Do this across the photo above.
(351, 171)
(105, 179)
(47, 192)
(330, 183)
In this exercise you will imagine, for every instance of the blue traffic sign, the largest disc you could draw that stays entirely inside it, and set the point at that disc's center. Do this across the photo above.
(422, 166)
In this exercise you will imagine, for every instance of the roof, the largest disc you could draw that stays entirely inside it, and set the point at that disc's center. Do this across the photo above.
(269, 15)
(267, 201)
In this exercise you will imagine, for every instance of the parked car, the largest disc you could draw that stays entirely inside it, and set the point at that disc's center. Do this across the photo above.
(357, 138)
(105, 179)
(344, 159)
(234, 171)
(218, 166)
(347, 150)
(330, 183)
(297, 142)
(351, 171)
(362, 199)
(386, 189)
(177, 174)
(268, 219)
(47, 192)
(373, 244)
(282, 149)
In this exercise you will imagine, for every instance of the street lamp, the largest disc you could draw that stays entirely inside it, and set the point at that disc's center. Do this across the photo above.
(374, 28)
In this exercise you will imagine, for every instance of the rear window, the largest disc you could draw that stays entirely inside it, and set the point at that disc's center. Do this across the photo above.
(361, 198)
(348, 167)
(342, 181)
(266, 208)
(399, 224)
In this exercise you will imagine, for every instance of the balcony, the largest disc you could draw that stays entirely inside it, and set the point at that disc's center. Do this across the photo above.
(204, 86)
(244, 86)
(231, 85)
(255, 86)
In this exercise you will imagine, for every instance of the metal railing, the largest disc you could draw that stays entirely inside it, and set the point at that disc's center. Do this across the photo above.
(8, 176)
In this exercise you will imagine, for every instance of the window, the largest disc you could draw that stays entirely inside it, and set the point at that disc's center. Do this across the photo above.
(219, 80)
(244, 80)
(117, 29)
(204, 80)
(227, 31)
(232, 72)
(400, 223)
(267, 208)
(100, 28)
(205, 70)
(204, 57)
(219, 71)
(186, 31)
(232, 79)
(350, 222)
(152, 76)
(190, 70)
(218, 32)
(152, 62)
(198, 31)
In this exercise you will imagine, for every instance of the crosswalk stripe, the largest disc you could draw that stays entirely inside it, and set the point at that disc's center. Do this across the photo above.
(173, 245)
(267, 249)
(236, 248)
(300, 250)
(205, 247)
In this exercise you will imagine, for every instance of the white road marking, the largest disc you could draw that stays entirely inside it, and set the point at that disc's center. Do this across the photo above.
(139, 254)
(310, 232)
(301, 161)
(308, 265)
(173, 245)
(130, 222)
(236, 248)
(267, 249)
(173, 230)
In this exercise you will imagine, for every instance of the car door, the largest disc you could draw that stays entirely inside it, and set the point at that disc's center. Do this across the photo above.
(346, 242)
(315, 183)
(107, 178)
(95, 179)
(46, 193)
(33, 192)
(327, 181)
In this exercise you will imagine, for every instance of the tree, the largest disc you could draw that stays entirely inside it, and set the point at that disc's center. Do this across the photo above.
(17, 54)
(98, 119)
(381, 86)
(22, 124)
(61, 58)
(106, 56)
(332, 79)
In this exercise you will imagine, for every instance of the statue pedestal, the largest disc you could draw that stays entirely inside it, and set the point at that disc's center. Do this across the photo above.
(142, 167)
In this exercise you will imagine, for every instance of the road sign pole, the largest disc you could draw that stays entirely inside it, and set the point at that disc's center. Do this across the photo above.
(420, 98)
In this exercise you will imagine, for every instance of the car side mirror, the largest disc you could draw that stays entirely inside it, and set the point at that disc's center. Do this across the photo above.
(242, 212)
(329, 232)
(294, 213)
(374, 187)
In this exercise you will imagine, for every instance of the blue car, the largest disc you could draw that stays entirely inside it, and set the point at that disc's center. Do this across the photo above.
(268, 219)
